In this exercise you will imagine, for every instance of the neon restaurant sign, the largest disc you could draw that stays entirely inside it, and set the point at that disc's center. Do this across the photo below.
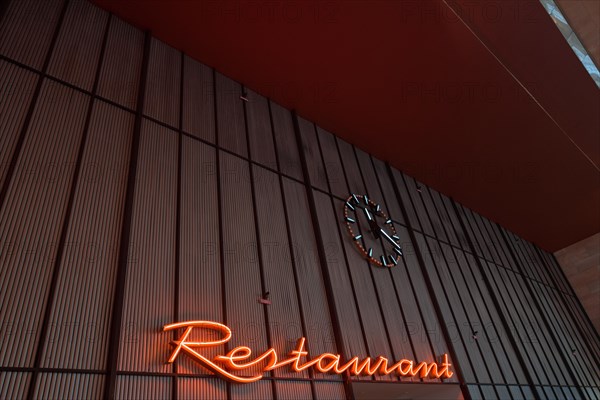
(238, 359)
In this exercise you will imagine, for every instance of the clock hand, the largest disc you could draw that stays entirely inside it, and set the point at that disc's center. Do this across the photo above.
(392, 241)
(372, 224)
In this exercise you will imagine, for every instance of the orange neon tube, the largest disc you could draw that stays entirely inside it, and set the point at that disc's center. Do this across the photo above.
(238, 359)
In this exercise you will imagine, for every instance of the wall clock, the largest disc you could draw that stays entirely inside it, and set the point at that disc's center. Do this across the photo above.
(372, 231)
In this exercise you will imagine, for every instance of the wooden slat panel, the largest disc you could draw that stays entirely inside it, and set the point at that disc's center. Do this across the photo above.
(329, 391)
(69, 386)
(319, 329)
(230, 116)
(260, 135)
(444, 217)
(284, 313)
(468, 355)
(552, 365)
(143, 387)
(424, 327)
(292, 390)
(343, 295)
(365, 292)
(16, 91)
(285, 138)
(201, 389)
(492, 327)
(27, 29)
(312, 154)
(355, 182)
(121, 64)
(245, 316)
(77, 52)
(14, 385)
(406, 200)
(199, 296)
(198, 100)
(162, 86)
(148, 300)
(432, 212)
(387, 189)
(416, 191)
(32, 216)
(80, 316)
(261, 390)
(333, 164)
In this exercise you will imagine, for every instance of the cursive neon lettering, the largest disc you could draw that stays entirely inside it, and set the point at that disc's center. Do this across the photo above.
(238, 359)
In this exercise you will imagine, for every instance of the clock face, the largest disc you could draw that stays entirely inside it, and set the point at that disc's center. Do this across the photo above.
(372, 231)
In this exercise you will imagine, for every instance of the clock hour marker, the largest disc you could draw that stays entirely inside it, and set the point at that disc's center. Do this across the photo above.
(394, 260)
(378, 208)
(350, 220)
(357, 237)
(389, 221)
(396, 238)
(350, 206)
(383, 260)
(355, 199)
(370, 252)
(398, 251)
(366, 199)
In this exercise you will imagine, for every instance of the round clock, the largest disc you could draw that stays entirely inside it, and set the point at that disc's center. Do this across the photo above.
(372, 231)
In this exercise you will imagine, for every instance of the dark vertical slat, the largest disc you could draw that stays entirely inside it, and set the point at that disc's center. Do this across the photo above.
(387, 191)
(491, 327)
(310, 155)
(258, 120)
(230, 116)
(87, 268)
(404, 199)
(177, 268)
(299, 127)
(290, 250)
(242, 276)
(26, 31)
(163, 95)
(220, 214)
(14, 385)
(200, 279)
(434, 216)
(440, 218)
(416, 191)
(285, 141)
(148, 292)
(456, 216)
(350, 169)
(31, 217)
(198, 101)
(17, 86)
(124, 245)
(19, 23)
(333, 165)
(201, 388)
(69, 385)
(430, 307)
(260, 138)
(121, 64)
(468, 355)
(142, 387)
(81, 40)
(283, 314)
(64, 228)
(544, 318)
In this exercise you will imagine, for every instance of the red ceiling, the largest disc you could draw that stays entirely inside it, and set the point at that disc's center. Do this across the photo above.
(436, 96)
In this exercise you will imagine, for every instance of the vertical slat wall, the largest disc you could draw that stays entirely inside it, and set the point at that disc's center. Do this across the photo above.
(220, 186)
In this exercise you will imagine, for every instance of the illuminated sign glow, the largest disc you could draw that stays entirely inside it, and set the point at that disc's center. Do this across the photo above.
(238, 358)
